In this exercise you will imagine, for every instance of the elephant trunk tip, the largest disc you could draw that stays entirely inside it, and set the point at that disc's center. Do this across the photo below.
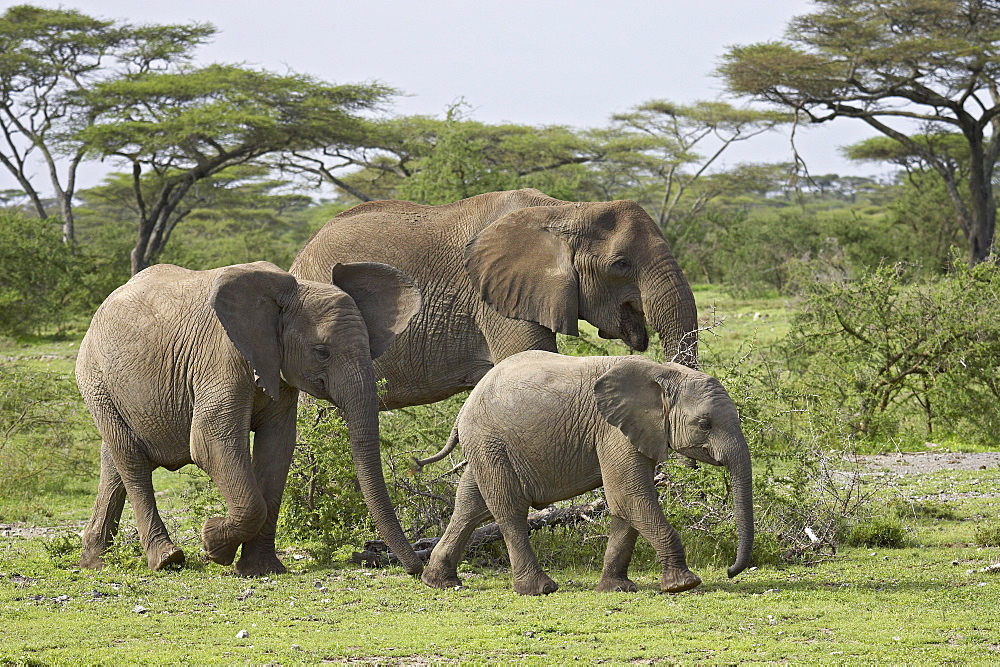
(736, 568)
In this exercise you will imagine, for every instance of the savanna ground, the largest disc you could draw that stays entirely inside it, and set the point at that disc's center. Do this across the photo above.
(931, 597)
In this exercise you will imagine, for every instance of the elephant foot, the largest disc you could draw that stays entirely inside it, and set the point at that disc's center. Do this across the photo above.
(678, 579)
(259, 566)
(165, 556)
(93, 560)
(219, 547)
(616, 585)
(541, 584)
(440, 577)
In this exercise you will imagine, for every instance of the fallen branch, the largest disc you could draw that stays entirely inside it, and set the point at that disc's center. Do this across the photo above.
(377, 554)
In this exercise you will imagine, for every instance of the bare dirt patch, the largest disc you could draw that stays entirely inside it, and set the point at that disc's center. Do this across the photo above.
(919, 463)
(26, 530)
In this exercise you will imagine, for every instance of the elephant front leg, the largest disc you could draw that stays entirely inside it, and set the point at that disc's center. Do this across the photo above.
(227, 462)
(617, 557)
(675, 576)
(272, 456)
(631, 494)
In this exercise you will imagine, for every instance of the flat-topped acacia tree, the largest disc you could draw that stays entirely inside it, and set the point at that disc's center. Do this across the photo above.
(183, 127)
(907, 68)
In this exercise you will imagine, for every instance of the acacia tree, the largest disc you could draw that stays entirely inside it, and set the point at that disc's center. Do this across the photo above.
(45, 56)
(907, 68)
(660, 140)
(434, 160)
(183, 127)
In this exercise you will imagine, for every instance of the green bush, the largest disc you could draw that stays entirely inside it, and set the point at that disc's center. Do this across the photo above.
(885, 532)
(987, 535)
(756, 253)
(903, 357)
(40, 281)
(323, 508)
(39, 447)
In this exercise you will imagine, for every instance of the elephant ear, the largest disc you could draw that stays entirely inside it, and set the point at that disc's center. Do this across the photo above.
(386, 297)
(525, 271)
(630, 398)
(248, 299)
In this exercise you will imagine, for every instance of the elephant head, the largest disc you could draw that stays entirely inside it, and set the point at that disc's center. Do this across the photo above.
(669, 406)
(605, 262)
(321, 338)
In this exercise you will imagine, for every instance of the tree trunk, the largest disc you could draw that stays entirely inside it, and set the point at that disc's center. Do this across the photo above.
(983, 213)
(377, 554)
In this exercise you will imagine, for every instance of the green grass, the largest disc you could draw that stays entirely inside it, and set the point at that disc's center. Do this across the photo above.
(931, 602)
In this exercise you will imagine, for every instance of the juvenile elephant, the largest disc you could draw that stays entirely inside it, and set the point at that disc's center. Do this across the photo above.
(501, 273)
(179, 366)
(542, 427)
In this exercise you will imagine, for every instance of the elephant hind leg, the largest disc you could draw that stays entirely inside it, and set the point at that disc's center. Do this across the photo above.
(103, 525)
(510, 509)
(125, 470)
(470, 511)
(617, 557)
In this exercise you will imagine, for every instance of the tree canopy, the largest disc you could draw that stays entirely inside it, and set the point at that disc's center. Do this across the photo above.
(182, 127)
(46, 57)
(904, 67)
(661, 138)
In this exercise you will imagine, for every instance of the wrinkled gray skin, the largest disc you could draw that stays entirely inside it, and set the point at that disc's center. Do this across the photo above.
(542, 427)
(500, 273)
(179, 366)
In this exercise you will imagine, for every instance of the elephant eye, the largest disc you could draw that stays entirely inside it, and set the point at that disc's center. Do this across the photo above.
(705, 423)
(322, 352)
(622, 265)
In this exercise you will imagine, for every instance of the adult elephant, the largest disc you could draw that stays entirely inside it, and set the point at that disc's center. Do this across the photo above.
(501, 273)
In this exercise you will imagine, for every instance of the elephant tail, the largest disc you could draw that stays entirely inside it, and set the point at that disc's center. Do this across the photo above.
(449, 446)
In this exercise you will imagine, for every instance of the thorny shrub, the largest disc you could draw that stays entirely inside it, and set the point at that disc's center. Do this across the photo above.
(902, 358)
(38, 446)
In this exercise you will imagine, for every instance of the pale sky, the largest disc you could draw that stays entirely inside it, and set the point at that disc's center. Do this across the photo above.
(536, 62)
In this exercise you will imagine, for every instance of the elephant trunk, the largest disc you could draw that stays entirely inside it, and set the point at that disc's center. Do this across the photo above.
(669, 306)
(362, 425)
(737, 462)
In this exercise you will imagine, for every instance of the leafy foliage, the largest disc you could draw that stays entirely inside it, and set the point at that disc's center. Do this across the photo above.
(42, 282)
(186, 126)
(889, 64)
(38, 447)
(903, 358)
(48, 57)
(323, 506)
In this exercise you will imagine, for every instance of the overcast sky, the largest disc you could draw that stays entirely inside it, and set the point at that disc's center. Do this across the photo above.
(566, 62)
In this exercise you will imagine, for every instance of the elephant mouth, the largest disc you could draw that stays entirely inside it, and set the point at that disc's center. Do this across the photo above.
(632, 325)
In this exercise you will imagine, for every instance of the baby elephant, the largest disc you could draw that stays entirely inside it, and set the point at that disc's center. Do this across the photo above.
(542, 427)
(179, 366)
